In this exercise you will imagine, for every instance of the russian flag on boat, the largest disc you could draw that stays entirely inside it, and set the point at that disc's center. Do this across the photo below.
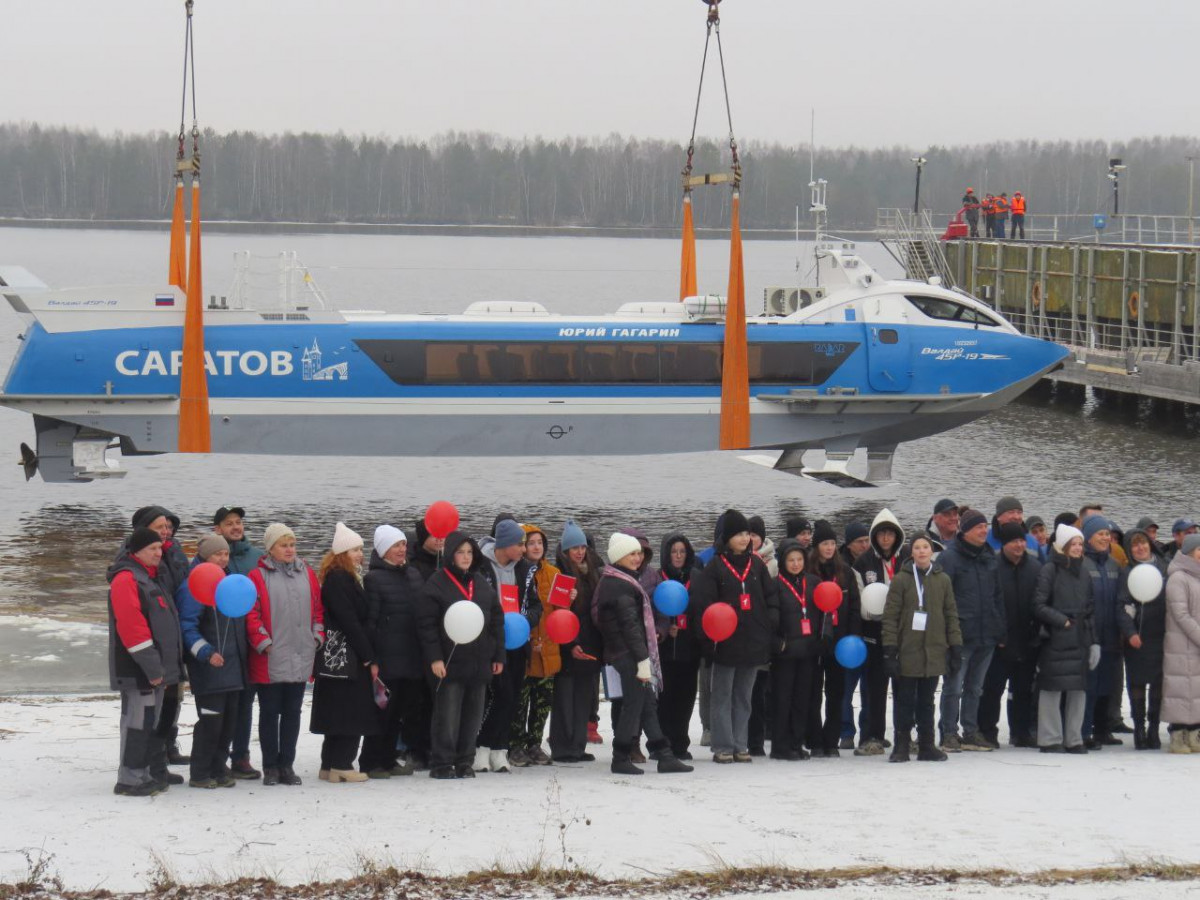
(164, 300)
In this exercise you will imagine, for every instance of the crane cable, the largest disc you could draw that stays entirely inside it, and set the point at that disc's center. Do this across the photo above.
(713, 26)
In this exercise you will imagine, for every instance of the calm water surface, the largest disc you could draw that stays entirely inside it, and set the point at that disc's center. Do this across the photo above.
(57, 540)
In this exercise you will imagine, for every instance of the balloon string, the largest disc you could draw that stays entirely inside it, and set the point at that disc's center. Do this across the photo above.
(448, 658)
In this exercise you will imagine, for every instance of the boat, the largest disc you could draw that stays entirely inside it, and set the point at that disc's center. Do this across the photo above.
(860, 362)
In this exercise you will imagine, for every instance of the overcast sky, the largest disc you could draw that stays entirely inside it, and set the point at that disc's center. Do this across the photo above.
(877, 72)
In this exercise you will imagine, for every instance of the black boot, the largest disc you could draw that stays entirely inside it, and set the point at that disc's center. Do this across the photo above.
(620, 760)
(929, 752)
(1138, 708)
(667, 761)
(901, 750)
(1153, 742)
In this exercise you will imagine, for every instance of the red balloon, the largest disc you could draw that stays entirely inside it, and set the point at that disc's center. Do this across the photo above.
(827, 596)
(562, 626)
(441, 518)
(202, 582)
(719, 622)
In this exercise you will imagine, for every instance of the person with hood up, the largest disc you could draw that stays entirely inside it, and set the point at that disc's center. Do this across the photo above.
(284, 629)
(1014, 664)
(216, 664)
(460, 672)
(344, 708)
(679, 650)
(577, 684)
(1143, 628)
(504, 567)
(1063, 604)
(394, 586)
(878, 564)
(626, 619)
(1181, 648)
(921, 642)
(972, 568)
(545, 661)
(1107, 597)
(796, 654)
(827, 563)
(230, 523)
(738, 578)
(426, 556)
(145, 660)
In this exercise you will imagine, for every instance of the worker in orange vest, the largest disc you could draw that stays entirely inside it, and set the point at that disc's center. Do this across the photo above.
(1018, 214)
(970, 204)
(989, 215)
(1001, 215)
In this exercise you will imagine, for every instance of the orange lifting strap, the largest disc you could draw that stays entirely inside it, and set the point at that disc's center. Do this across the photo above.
(735, 380)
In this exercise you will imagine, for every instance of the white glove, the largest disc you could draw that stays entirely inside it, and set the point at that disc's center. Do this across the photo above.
(1093, 657)
(643, 670)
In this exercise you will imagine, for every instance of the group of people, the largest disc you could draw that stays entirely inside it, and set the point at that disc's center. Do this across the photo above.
(1006, 605)
(996, 211)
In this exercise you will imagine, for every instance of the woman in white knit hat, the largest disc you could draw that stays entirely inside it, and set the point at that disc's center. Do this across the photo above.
(344, 707)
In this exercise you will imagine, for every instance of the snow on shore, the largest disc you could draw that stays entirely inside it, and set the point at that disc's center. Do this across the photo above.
(1014, 809)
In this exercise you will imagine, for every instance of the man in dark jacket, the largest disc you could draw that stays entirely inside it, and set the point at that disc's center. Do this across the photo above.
(145, 660)
(943, 525)
(972, 568)
(1015, 660)
(1107, 586)
(426, 555)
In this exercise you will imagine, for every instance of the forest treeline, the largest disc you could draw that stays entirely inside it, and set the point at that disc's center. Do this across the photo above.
(483, 179)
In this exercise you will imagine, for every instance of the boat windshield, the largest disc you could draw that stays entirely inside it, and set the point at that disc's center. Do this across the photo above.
(951, 310)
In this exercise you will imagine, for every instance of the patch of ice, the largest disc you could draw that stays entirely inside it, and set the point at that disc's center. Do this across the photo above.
(46, 657)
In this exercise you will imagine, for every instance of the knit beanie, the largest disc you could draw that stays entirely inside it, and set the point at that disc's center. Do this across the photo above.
(1034, 521)
(142, 538)
(211, 544)
(798, 525)
(572, 536)
(1092, 524)
(1190, 543)
(1010, 531)
(758, 526)
(508, 534)
(275, 532)
(856, 530)
(970, 518)
(387, 537)
(1063, 535)
(733, 523)
(1008, 504)
(823, 532)
(500, 517)
(621, 545)
(344, 539)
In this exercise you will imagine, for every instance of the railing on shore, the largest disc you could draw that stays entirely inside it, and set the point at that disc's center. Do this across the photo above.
(1131, 228)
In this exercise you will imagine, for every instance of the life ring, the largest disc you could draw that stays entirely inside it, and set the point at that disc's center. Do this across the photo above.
(1037, 295)
(1134, 305)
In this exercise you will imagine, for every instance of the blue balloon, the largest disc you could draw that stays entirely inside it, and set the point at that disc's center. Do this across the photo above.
(235, 595)
(671, 598)
(516, 631)
(851, 652)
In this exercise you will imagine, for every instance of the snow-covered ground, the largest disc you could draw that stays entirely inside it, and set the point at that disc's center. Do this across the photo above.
(1013, 809)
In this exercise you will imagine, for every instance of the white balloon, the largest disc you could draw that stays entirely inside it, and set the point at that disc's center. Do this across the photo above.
(464, 621)
(874, 598)
(1145, 582)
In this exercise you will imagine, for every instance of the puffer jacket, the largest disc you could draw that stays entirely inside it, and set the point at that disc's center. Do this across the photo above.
(1107, 589)
(922, 654)
(757, 633)
(1181, 651)
(973, 572)
(292, 647)
(393, 595)
(684, 647)
(796, 606)
(1018, 583)
(621, 618)
(206, 630)
(589, 640)
(144, 640)
(1147, 620)
(1064, 593)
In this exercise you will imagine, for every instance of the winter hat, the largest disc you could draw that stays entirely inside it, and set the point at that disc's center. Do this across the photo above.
(734, 523)
(856, 530)
(971, 518)
(147, 514)
(798, 525)
(275, 532)
(387, 537)
(621, 545)
(647, 550)
(1063, 535)
(1034, 521)
(1092, 524)
(1010, 531)
(142, 538)
(212, 543)
(1008, 504)
(1190, 543)
(572, 536)
(509, 534)
(758, 526)
(344, 539)
(944, 505)
(1146, 522)
(500, 517)
(823, 532)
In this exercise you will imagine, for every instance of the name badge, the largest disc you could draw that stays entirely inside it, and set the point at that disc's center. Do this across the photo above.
(806, 627)
(919, 621)
(681, 622)
(744, 599)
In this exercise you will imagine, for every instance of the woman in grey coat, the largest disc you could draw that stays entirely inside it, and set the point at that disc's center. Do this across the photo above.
(1181, 650)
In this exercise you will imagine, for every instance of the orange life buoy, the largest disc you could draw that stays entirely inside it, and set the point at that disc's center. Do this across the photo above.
(1037, 295)
(1134, 305)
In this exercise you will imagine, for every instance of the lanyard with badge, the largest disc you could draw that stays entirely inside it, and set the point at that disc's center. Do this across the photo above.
(919, 615)
(805, 621)
(744, 597)
(468, 591)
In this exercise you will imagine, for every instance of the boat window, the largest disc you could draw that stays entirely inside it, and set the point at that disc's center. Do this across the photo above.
(950, 310)
(889, 336)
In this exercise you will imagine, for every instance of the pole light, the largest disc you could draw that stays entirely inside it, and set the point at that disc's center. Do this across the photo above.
(920, 164)
(1115, 168)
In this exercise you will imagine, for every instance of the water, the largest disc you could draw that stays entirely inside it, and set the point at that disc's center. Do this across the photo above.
(57, 540)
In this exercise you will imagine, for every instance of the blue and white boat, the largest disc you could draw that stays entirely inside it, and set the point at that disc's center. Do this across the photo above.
(869, 363)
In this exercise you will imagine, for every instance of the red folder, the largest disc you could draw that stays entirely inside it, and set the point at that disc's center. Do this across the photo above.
(560, 591)
(510, 601)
